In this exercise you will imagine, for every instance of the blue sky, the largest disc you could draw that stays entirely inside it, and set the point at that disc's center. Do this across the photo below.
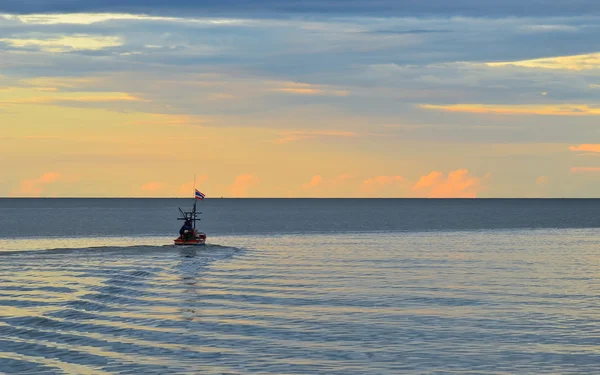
(507, 91)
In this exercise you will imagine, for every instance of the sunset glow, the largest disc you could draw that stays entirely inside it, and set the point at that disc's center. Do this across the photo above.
(368, 101)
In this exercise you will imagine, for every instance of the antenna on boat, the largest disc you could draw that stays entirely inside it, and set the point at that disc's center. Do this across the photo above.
(193, 238)
(194, 210)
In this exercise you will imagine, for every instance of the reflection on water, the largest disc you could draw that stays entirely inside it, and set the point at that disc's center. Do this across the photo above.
(191, 270)
(470, 302)
(44, 243)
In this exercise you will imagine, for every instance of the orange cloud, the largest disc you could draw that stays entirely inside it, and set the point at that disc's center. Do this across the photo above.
(541, 180)
(36, 186)
(316, 181)
(555, 110)
(187, 189)
(242, 184)
(304, 91)
(586, 147)
(377, 182)
(458, 184)
(585, 169)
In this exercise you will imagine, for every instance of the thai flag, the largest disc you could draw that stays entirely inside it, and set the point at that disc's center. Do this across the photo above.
(199, 195)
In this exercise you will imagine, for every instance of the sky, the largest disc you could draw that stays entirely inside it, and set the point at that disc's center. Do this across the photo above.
(273, 98)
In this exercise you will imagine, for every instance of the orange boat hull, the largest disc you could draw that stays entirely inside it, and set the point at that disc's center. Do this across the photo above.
(199, 239)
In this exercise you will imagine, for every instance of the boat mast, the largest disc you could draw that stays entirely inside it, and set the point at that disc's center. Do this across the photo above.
(194, 210)
(191, 216)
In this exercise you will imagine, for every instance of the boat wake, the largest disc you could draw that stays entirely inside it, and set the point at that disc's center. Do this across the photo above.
(206, 249)
(106, 309)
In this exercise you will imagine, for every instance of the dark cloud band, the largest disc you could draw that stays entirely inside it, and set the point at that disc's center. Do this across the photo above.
(265, 8)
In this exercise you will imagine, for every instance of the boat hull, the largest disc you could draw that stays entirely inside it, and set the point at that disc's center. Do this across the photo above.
(198, 240)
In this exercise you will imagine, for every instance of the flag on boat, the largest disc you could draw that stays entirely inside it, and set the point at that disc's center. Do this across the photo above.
(199, 195)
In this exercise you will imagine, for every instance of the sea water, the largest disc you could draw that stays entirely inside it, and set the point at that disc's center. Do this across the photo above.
(94, 286)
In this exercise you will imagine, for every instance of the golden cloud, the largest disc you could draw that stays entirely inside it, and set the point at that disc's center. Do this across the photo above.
(67, 43)
(308, 89)
(53, 97)
(555, 110)
(573, 62)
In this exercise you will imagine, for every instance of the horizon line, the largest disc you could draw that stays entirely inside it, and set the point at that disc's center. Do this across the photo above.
(422, 198)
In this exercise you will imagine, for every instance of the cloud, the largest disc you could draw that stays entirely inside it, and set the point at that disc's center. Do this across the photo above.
(458, 184)
(187, 189)
(376, 183)
(173, 120)
(302, 60)
(151, 186)
(309, 89)
(549, 28)
(386, 8)
(541, 189)
(54, 97)
(79, 18)
(586, 148)
(314, 182)
(287, 137)
(555, 110)
(45, 89)
(35, 187)
(61, 82)
(575, 62)
(318, 186)
(75, 42)
(296, 78)
(242, 184)
(318, 182)
(585, 169)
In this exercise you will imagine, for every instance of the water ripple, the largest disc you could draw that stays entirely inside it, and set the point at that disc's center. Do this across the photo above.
(493, 302)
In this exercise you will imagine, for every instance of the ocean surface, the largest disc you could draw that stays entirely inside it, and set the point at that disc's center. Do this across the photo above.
(301, 286)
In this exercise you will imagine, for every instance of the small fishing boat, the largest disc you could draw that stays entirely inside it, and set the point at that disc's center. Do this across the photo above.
(189, 235)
